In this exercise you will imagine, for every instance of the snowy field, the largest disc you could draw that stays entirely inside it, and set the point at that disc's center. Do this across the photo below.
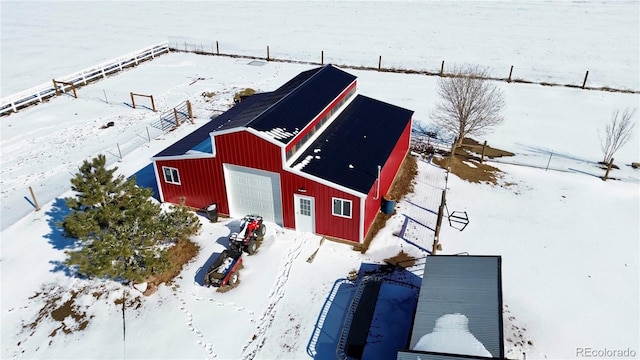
(553, 41)
(568, 241)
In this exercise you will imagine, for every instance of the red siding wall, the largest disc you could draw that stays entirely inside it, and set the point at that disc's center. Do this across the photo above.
(326, 223)
(387, 174)
(202, 182)
(245, 149)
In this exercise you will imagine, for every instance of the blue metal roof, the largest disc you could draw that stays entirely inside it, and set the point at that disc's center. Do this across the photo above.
(269, 100)
(286, 110)
(199, 139)
(291, 113)
(362, 137)
(467, 285)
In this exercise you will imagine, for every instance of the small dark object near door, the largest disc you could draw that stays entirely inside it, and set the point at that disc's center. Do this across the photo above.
(212, 212)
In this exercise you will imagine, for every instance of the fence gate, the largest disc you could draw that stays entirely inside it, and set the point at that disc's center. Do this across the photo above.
(172, 118)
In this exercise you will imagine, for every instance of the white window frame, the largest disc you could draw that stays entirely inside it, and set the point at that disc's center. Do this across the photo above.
(174, 171)
(333, 200)
(305, 209)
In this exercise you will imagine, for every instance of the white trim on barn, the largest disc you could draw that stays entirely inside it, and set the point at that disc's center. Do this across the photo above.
(261, 134)
(213, 144)
(253, 191)
(363, 202)
(325, 182)
(158, 181)
(192, 155)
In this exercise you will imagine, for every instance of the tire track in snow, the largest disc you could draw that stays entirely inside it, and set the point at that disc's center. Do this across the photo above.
(254, 345)
(207, 346)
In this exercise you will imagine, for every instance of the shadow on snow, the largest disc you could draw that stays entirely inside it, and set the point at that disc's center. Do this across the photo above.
(353, 327)
(546, 152)
(56, 236)
(198, 278)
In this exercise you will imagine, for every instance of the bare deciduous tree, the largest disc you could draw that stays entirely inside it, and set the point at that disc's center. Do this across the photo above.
(617, 133)
(469, 104)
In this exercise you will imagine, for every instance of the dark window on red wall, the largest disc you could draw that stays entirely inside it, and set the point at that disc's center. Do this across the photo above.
(171, 175)
(341, 207)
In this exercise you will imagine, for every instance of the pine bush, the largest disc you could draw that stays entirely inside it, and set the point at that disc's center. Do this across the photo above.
(123, 234)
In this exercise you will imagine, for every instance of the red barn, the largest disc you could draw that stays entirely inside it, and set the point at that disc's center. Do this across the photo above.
(312, 155)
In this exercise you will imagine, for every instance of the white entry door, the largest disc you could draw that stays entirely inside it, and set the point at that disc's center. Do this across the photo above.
(305, 213)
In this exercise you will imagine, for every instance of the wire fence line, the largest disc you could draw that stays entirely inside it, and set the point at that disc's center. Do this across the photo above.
(427, 143)
(43, 92)
(213, 49)
(142, 126)
(121, 98)
(148, 130)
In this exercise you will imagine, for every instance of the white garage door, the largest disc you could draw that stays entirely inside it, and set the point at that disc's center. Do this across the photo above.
(252, 191)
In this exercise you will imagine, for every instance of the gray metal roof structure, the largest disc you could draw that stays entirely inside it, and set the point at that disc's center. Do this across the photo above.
(428, 355)
(468, 285)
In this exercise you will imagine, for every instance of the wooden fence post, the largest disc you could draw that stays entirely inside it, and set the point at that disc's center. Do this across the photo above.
(33, 196)
(190, 111)
(153, 103)
(267, 52)
(175, 116)
(379, 62)
(64, 83)
(217, 48)
(510, 73)
(442, 68)
(606, 174)
(436, 238)
(584, 83)
(484, 147)
(133, 101)
(322, 57)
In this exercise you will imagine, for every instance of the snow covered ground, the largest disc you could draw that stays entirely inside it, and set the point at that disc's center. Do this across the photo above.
(553, 41)
(568, 240)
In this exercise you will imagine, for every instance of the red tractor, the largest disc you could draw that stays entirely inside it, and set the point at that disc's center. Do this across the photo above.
(252, 230)
(224, 273)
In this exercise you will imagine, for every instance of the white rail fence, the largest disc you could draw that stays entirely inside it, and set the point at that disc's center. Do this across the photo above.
(42, 92)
